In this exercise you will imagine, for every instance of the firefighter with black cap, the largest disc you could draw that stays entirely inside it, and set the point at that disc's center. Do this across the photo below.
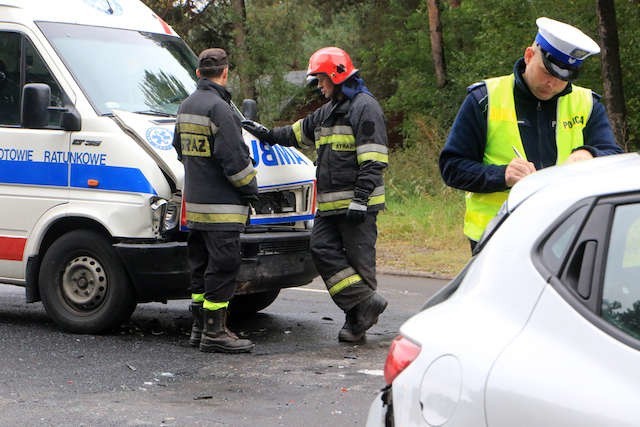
(508, 127)
(350, 137)
(219, 184)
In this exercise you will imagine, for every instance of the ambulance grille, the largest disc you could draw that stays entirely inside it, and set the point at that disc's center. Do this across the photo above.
(283, 247)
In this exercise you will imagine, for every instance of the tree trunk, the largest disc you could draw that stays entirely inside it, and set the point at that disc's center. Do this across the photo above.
(247, 87)
(437, 45)
(611, 72)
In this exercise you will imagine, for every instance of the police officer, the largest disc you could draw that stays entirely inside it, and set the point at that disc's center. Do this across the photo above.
(219, 182)
(508, 127)
(350, 137)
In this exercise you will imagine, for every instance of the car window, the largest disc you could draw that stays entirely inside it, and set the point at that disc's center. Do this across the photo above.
(559, 241)
(621, 287)
(20, 63)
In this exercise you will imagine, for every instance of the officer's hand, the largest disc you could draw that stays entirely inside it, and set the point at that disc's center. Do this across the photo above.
(259, 131)
(579, 155)
(357, 212)
(516, 170)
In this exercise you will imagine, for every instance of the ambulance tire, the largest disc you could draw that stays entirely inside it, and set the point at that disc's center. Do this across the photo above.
(250, 304)
(83, 284)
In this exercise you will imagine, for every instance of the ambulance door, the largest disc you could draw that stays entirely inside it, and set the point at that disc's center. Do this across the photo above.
(34, 166)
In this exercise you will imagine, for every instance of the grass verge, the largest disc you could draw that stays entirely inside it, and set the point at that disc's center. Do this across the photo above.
(423, 234)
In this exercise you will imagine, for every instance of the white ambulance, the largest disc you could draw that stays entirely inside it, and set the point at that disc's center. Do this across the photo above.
(90, 185)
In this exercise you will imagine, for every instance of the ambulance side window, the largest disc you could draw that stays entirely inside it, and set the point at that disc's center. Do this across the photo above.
(20, 63)
(10, 46)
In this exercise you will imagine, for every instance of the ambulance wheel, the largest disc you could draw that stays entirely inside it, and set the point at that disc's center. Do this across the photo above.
(249, 304)
(83, 285)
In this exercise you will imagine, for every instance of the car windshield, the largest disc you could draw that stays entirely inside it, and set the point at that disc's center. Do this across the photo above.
(124, 69)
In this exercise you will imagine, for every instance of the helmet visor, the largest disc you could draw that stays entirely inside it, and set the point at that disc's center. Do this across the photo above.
(557, 69)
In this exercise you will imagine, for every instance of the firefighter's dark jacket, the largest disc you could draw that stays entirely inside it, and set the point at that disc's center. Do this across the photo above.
(351, 142)
(219, 174)
(461, 162)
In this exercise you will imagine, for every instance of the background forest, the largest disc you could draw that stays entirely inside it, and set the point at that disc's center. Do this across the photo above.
(390, 42)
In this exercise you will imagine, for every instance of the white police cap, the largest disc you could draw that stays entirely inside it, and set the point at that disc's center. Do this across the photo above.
(564, 47)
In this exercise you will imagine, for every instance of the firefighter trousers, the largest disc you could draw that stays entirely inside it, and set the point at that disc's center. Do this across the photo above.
(344, 254)
(214, 260)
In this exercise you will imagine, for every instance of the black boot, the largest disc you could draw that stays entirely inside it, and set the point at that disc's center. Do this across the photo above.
(198, 322)
(361, 317)
(217, 338)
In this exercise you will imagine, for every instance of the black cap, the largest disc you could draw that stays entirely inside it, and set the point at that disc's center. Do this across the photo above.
(213, 58)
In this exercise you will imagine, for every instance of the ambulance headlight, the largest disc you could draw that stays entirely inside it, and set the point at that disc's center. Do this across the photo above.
(158, 213)
(172, 215)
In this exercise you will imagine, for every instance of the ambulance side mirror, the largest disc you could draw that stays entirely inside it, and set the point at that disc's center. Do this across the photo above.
(35, 105)
(36, 100)
(250, 109)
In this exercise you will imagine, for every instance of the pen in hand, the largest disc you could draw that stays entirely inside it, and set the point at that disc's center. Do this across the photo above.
(518, 155)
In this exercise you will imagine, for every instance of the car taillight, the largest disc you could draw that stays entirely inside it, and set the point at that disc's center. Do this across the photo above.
(401, 353)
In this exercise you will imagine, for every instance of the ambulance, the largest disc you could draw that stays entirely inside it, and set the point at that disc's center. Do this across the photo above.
(90, 185)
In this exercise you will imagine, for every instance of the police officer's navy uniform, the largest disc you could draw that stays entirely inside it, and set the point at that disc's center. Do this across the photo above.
(463, 160)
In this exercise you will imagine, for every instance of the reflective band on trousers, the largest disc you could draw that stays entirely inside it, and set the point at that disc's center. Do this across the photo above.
(214, 213)
(573, 111)
(212, 306)
(342, 279)
(197, 297)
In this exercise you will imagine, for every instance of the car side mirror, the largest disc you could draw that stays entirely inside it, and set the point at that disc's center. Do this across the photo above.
(250, 109)
(36, 100)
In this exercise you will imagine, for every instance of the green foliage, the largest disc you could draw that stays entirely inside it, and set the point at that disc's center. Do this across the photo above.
(389, 42)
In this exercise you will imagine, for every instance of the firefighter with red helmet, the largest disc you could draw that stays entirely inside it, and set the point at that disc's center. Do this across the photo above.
(350, 138)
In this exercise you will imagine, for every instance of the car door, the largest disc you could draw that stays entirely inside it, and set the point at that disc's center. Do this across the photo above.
(33, 162)
(576, 362)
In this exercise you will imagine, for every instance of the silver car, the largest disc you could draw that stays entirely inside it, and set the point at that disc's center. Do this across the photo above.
(542, 327)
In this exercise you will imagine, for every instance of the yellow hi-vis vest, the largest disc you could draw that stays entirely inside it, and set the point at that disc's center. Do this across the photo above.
(573, 112)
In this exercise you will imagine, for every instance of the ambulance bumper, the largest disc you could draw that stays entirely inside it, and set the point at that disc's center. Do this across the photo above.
(270, 260)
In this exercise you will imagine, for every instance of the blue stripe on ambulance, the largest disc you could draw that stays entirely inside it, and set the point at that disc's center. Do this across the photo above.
(33, 173)
(283, 219)
(112, 178)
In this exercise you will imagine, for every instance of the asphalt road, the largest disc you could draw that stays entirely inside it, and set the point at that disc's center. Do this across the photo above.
(146, 374)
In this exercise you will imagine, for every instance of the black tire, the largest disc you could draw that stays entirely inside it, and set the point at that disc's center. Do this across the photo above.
(83, 284)
(249, 304)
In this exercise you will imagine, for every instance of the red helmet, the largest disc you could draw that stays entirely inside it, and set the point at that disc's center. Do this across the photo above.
(332, 61)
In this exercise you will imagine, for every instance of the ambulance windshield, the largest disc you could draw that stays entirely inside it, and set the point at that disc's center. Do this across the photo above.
(124, 69)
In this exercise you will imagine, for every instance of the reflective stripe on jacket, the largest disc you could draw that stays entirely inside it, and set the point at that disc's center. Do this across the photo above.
(503, 136)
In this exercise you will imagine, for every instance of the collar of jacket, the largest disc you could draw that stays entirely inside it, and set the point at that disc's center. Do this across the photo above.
(340, 107)
(523, 89)
(206, 84)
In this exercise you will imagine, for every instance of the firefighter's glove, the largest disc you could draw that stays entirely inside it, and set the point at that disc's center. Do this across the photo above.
(357, 211)
(261, 132)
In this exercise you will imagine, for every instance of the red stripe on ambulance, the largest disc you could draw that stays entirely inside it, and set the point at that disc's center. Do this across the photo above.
(12, 248)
